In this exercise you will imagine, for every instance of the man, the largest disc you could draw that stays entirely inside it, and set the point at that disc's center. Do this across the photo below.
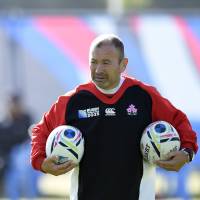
(14, 132)
(112, 167)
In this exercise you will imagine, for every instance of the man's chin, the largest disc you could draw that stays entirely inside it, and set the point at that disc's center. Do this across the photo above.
(100, 84)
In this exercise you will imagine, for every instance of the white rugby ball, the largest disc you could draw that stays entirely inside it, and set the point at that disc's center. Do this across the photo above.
(67, 143)
(158, 139)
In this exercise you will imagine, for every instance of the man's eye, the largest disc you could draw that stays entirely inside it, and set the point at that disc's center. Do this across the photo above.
(106, 63)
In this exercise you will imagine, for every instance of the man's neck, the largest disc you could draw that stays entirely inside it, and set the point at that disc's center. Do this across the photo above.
(113, 90)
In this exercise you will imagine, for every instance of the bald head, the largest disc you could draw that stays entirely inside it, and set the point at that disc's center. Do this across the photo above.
(108, 39)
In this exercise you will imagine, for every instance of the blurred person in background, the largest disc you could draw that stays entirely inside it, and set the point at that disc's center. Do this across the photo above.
(112, 111)
(14, 133)
(20, 178)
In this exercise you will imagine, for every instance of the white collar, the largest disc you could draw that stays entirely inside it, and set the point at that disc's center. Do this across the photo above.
(113, 90)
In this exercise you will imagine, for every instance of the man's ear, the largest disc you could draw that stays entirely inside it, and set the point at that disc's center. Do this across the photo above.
(123, 64)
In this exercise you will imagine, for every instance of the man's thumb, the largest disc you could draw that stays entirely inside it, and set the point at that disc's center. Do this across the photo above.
(54, 158)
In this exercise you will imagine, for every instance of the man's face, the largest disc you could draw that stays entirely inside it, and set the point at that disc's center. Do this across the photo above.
(105, 66)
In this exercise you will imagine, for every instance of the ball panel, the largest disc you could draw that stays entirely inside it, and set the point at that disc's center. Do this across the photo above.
(69, 133)
(160, 128)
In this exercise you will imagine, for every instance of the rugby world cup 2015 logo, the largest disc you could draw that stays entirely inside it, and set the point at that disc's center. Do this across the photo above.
(88, 113)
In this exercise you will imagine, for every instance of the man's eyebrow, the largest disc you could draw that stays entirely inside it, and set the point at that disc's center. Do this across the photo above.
(104, 60)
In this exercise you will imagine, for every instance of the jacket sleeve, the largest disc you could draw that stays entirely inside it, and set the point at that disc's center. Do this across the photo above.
(162, 109)
(50, 120)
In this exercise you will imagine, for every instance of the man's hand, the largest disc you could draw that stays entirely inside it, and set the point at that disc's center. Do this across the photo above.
(175, 161)
(49, 166)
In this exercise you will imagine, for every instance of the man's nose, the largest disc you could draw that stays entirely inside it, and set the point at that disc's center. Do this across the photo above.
(99, 68)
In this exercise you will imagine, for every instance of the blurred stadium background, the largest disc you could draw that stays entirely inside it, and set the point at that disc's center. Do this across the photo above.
(44, 53)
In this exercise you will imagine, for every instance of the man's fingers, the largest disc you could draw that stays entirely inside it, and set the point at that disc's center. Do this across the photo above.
(166, 165)
(171, 154)
(172, 164)
(64, 168)
(64, 165)
(52, 159)
(50, 166)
